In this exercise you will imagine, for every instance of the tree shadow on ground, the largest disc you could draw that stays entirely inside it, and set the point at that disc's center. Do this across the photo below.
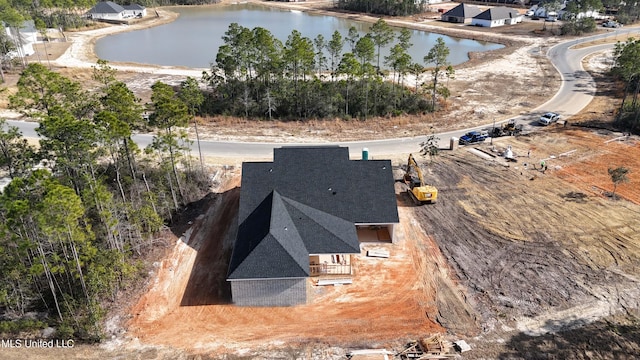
(181, 221)
(212, 237)
(603, 339)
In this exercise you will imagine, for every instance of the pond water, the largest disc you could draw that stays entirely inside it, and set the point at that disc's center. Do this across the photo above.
(194, 38)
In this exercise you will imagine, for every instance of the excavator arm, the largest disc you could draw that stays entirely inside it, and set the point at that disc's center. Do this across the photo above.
(420, 192)
(412, 164)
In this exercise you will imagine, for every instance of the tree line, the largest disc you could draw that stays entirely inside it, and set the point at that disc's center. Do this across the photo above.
(87, 202)
(255, 75)
(627, 69)
(383, 7)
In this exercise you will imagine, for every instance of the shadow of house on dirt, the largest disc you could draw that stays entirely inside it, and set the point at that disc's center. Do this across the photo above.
(599, 340)
(212, 237)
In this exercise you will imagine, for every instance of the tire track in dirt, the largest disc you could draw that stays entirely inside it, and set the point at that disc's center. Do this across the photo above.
(521, 248)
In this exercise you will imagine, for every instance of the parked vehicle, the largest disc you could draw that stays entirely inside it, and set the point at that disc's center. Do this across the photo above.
(611, 24)
(507, 129)
(549, 118)
(473, 137)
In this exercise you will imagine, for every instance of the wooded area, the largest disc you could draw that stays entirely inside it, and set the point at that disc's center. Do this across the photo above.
(82, 206)
(627, 69)
(257, 76)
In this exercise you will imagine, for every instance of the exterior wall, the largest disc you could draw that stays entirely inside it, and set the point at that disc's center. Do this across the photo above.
(487, 23)
(334, 259)
(134, 13)
(28, 49)
(269, 292)
(392, 232)
(109, 16)
(330, 264)
(516, 20)
(27, 39)
(454, 19)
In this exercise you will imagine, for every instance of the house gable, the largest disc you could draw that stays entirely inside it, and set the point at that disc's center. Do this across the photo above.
(497, 17)
(322, 233)
(269, 245)
(498, 13)
(463, 11)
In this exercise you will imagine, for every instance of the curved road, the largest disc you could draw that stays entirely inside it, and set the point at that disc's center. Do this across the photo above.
(575, 93)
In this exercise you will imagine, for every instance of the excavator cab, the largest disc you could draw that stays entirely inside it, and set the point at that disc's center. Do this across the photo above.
(412, 181)
(419, 192)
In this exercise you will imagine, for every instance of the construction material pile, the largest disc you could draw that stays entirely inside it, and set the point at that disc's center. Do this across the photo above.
(432, 347)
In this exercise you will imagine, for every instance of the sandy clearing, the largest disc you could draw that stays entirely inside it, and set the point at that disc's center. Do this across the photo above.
(81, 55)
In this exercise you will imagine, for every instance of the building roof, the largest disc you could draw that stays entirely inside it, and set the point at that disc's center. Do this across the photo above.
(464, 11)
(106, 7)
(306, 202)
(498, 13)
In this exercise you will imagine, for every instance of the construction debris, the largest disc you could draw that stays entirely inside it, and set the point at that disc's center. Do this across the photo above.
(432, 347)
(461, 346)
(369, 353)
(381, 253)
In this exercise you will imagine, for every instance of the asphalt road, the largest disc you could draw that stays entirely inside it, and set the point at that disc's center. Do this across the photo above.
(575, 93)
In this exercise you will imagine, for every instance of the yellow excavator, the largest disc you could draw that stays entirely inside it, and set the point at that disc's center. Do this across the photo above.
(420, 192)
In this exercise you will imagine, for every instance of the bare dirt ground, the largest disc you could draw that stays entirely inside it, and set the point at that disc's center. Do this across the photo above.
(507, 255)
(520, 263)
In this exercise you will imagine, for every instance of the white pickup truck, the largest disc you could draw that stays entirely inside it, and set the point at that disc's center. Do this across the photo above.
(549, 118)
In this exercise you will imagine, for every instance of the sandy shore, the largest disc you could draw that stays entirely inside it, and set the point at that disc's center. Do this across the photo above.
(80, 54)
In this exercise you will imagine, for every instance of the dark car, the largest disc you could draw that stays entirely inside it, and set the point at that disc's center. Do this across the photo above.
(473, 137)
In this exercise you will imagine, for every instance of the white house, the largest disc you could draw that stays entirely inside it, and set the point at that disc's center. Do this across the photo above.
(135, 10)
(108, 10)
(462, 13)
(23, 39)
(498, 16)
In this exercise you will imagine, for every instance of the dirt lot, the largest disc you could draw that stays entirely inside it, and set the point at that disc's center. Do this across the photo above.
(508, 253)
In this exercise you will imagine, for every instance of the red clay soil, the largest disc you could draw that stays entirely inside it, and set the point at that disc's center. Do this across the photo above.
(596, 153)
(188, 305)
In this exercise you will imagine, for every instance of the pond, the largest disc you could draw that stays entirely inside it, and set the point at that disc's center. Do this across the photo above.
(193, 39)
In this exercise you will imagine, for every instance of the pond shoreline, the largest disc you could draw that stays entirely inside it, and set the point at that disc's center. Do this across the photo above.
(81, 53)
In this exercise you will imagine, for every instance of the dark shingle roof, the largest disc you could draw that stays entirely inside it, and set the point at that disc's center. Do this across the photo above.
(271, 246)
(306, 202)
(361, 191)
(276, 239)
(498, 13)
(464, 11)
(106, 7)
